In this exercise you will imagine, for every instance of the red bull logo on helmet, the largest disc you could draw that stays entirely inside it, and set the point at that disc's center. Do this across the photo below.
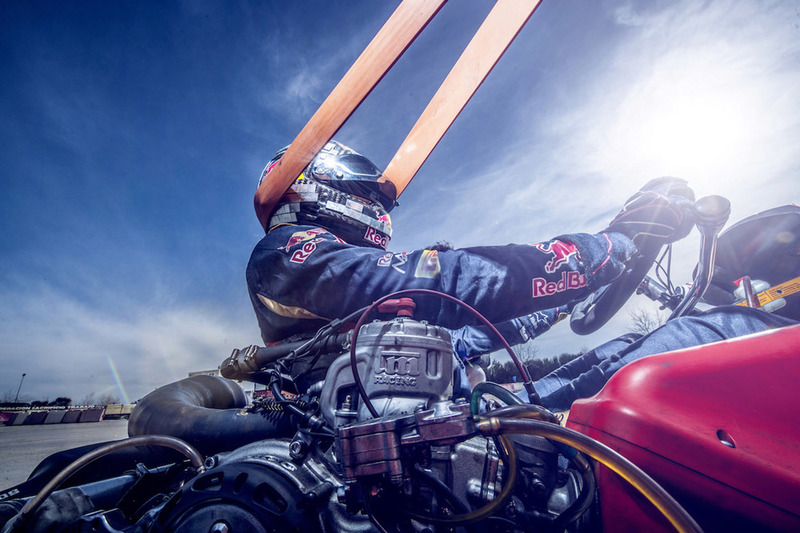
(561, 252)
(376, 237)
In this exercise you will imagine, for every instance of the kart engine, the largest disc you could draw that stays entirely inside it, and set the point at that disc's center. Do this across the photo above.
(420, 465)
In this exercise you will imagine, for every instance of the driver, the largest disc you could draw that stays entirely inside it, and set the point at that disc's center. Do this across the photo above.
(325, 256)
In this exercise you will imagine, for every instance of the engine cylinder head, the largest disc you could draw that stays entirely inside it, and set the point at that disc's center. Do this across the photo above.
(404, 365)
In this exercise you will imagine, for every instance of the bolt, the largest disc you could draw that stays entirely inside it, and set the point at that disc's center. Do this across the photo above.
(297, 448)
(511, 510)
(220, 527)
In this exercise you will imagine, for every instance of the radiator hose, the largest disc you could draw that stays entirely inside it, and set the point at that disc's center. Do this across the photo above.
(208, 413)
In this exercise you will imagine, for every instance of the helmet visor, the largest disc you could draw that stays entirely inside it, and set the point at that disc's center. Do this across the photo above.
(354, 174)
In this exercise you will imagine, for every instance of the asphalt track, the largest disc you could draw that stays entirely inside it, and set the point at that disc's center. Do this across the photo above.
(23, 447)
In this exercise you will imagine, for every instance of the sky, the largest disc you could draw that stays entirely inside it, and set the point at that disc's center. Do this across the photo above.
(133, 134)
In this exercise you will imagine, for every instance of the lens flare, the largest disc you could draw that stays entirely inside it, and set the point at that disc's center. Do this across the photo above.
(118, 380)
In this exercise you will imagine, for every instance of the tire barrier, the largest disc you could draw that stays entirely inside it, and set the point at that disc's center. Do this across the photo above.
(33, 417)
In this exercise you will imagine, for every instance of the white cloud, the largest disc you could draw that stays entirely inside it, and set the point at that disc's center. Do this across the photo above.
(65, 346)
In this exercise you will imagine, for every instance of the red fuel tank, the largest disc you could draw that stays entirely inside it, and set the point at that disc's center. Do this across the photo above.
(718, 426)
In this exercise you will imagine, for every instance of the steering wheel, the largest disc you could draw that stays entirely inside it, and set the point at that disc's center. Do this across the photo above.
(593, 312)
(710, 215)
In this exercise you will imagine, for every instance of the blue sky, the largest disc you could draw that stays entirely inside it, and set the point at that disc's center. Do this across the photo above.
(133, 135)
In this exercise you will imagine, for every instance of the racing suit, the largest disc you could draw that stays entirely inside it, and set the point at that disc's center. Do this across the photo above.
(301, 277)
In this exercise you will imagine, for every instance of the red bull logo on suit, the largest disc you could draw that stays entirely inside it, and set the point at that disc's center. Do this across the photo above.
(561, 252)
(569, 281)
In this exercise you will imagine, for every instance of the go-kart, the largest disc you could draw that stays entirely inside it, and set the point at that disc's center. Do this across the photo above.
(698, 439)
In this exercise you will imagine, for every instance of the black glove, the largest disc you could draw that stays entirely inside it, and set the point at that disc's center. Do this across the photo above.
(660, 213)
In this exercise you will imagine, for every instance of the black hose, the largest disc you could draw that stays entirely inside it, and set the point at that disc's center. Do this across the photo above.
(459, 506)
(510, 459)
(585, 498)
(34, 503)
(207, 412)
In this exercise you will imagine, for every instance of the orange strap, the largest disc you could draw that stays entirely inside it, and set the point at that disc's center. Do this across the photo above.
(501, 26)
(408, 20)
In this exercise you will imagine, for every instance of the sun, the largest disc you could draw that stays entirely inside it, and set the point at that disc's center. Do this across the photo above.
(699, 113)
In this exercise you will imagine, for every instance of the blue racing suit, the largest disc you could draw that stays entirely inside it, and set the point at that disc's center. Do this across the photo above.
(300, 277)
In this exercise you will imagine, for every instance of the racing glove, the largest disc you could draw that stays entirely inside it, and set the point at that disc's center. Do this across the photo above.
(660, 213)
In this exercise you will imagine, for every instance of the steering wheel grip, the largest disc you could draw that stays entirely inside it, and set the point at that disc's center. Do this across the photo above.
(596, 310)
(710, 214)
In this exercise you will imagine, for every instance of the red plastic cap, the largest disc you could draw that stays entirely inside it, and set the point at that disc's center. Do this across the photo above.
(401, 307)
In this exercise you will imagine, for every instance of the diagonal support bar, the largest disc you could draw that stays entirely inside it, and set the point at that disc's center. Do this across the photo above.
(501, 26)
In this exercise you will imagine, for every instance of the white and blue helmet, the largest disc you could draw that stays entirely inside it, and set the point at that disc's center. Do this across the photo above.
(341, 192)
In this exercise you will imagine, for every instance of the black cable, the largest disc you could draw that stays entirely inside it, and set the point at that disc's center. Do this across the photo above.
(584, 499)
(323, 333)
(145, 440)
(308, 421)
(458, 506)
(438, 484)
(509, 457)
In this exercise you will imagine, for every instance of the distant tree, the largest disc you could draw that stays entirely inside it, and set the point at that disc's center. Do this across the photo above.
(89, 399)
(506, 372)
(10, 396)
(108, 398)
(61, 401)
(526, 352)
(644, 321)
(537, 367)
(502, 372)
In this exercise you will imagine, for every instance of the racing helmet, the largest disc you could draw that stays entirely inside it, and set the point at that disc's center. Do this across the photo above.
(339, 191)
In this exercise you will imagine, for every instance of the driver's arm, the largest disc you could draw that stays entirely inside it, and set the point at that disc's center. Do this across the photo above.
(470, 342)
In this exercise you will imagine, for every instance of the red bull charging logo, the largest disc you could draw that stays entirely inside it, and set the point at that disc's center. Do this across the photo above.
(302, 236)
(561, 252)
